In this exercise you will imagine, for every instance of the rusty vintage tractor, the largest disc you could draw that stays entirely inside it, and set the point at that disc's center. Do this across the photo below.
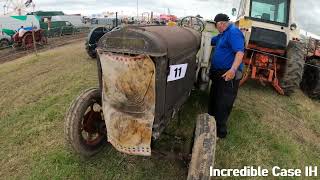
(26, 40)
(146, 73)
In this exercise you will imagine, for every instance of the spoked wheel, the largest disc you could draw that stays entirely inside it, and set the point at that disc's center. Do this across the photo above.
(85, 129)
(192, 22)
(204, 146)
(27, 41)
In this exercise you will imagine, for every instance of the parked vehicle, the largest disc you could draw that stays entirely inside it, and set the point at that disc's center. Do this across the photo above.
(5, 40)
(26, 40)
(311, 77)
(274, 54)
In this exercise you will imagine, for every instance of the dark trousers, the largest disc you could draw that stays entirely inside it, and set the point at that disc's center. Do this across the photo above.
(222, 96)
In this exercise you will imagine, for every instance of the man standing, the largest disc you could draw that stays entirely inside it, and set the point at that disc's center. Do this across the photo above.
(21, 31)
(226, 71)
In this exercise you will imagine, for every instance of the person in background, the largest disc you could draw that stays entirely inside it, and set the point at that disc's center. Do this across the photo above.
(225, 72)
(21, 31)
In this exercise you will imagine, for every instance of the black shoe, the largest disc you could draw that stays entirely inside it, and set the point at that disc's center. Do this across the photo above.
(222, 136)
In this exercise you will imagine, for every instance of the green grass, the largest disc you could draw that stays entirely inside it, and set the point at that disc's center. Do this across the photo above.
(266, 129)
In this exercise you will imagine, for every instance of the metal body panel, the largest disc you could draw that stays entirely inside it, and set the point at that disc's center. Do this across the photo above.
(268, 38)
(152, 40)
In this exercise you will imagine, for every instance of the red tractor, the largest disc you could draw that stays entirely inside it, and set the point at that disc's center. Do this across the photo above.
(311, 77)
(25, 39)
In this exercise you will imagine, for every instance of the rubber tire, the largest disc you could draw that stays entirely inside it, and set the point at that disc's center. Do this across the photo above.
(293, 69)
(4, 43)
(204, 146)
(73, 121)
(311, 86)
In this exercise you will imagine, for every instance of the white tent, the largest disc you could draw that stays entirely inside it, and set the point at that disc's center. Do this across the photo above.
(74, 20)
(15, 22)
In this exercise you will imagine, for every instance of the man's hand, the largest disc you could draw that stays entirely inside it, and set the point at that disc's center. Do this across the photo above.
(229, 75)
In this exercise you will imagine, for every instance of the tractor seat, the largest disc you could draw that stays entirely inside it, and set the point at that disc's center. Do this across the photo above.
(265, 16)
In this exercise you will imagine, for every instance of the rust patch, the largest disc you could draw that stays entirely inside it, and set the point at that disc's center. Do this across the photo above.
(128, 101)
(130, 131)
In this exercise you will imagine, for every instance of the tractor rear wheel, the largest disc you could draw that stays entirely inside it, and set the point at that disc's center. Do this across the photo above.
(311, 79)
(85, 129)
(27, 41)
(204, 146)
(293, 68)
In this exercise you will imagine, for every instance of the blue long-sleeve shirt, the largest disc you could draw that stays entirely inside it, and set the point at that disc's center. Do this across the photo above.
(227, 45)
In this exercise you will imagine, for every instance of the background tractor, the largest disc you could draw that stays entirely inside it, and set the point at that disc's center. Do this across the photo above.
(274, 53)
(311, 77)
(26, 40)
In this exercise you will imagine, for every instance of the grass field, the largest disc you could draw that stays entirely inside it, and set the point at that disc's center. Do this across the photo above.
(266, 129)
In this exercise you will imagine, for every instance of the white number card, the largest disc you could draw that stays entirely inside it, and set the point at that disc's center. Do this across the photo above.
(177, 72)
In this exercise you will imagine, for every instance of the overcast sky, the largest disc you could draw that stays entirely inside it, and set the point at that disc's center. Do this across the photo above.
(308, 11)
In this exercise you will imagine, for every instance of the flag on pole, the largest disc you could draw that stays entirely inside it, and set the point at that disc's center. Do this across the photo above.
(27, 3)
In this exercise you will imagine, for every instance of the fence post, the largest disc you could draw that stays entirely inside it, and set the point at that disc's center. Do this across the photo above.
(34, 41)
(61, 31)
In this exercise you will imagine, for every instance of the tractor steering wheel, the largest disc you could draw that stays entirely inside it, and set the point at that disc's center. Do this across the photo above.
(192, 22)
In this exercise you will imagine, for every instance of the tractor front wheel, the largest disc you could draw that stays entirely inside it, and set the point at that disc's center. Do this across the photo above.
(311, 79)
(204, 146)
(293, 68)
(85, 129)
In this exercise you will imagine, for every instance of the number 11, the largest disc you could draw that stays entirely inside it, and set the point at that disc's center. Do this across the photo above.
(176, 72)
